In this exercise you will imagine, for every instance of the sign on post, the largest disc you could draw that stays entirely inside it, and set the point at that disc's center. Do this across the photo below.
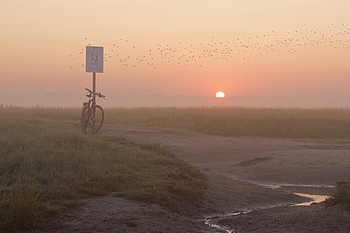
(94, 59)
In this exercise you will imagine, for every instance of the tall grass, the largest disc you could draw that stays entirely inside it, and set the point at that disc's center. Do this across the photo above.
(341, 198)
(239, 121)
(47, 165)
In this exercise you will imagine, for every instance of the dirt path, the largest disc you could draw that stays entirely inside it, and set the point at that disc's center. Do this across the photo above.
(241, 172)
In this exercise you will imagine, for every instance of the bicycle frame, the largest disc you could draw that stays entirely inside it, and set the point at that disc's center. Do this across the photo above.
(88, 105)
(88, 111)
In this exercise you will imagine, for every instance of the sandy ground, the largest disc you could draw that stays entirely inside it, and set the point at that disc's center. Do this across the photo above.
(251, 186)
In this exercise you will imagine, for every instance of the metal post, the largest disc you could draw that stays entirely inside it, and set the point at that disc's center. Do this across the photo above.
(94, 82)
(94, 100)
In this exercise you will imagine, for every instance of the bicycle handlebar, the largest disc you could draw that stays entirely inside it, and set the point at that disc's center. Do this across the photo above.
(96, 93)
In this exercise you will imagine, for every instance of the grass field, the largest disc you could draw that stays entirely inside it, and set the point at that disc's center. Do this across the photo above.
(47, 164)
(237, 121)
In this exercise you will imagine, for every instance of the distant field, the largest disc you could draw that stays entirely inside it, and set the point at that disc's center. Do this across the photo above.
(47, 164)
(225, 121)
(237, 121)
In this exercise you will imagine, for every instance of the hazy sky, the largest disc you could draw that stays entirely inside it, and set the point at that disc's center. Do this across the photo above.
(176, 47)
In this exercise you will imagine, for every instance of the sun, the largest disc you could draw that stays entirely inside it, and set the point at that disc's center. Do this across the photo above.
(220, 94)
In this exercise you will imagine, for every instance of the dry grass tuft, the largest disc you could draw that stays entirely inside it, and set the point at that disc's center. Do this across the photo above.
(20, 207)
(341, 198)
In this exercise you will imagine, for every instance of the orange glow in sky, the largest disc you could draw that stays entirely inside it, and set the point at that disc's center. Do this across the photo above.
(191, 48)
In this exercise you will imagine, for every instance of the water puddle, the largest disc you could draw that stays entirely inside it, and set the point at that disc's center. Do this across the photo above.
(275, 185)
(212, 220)
(313, 199)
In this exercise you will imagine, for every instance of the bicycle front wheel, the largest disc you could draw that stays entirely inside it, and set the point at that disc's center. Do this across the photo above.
(93, 120)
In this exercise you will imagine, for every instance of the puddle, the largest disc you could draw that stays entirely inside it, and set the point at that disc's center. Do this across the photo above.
(313, 199)
(218, 227)
(212, 220)
(275, 185)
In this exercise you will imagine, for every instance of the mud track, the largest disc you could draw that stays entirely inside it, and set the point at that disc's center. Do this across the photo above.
(244, 175)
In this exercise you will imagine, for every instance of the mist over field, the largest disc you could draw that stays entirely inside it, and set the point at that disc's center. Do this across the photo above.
(60, 99)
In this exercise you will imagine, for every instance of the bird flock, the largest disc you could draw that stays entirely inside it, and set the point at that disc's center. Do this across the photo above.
(188, 51)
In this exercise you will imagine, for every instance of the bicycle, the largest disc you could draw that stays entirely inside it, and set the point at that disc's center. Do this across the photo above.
(92, 115)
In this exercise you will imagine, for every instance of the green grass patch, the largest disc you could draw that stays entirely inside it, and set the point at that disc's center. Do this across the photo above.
(47, 165)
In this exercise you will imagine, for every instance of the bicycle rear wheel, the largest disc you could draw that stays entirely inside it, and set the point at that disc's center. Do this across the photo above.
(93, 124)
(83, 112)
